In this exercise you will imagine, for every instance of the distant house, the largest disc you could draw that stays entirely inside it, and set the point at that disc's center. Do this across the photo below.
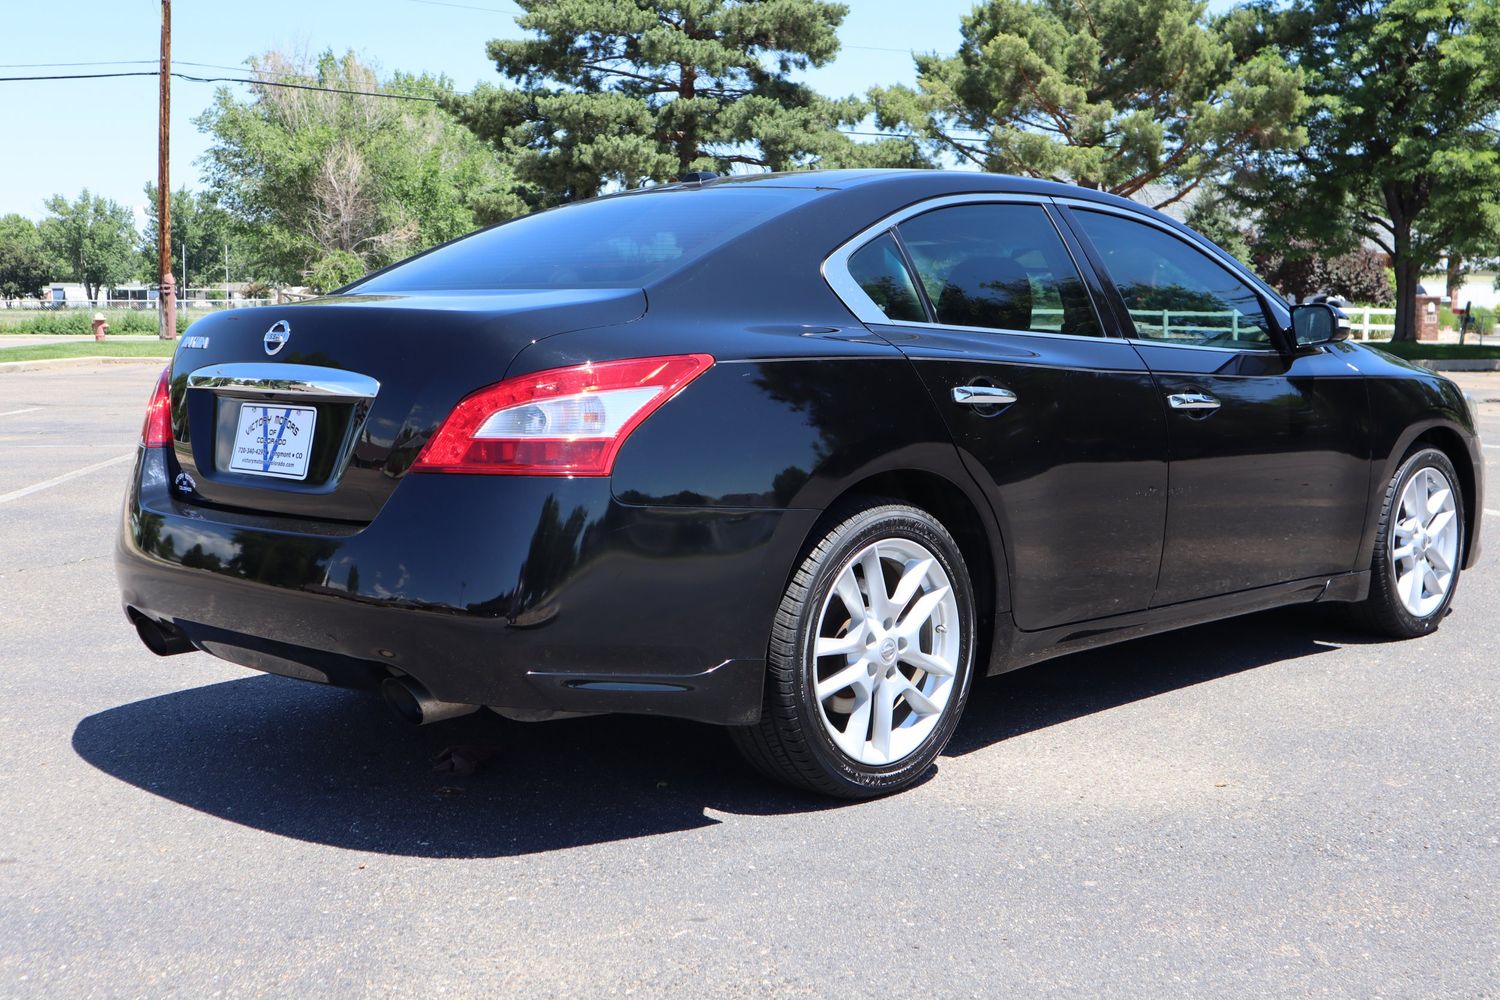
(135, 295)
(1477, 288)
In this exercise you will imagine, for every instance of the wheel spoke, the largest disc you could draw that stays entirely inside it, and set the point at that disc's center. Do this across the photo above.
(1411, 586)
(1404, 552)
(877, 601)
(843, 645)
(927, 662)
(922, 610)
(856, 676)
(918, 701)
(851, 739)
(884, 699)
(912, 575)
(848, 593)
(1430, 580)
(1439, 501)
(1439, 560)
(1439, 523)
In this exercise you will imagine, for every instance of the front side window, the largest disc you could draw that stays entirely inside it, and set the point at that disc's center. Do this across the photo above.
(880, 272)
(1174, 292)
(1000, 267)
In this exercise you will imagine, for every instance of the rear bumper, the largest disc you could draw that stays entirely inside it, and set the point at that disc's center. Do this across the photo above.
(520, 593)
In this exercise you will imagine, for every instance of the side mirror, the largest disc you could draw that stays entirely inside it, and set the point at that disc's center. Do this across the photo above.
(1318, 323)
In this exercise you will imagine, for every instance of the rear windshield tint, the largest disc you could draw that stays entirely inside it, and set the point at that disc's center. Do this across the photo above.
(621, 242)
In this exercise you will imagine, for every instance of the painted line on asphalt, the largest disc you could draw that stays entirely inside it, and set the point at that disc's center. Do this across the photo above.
(1495, 446)
(1491, 513)
(12, 413)
(59, 480)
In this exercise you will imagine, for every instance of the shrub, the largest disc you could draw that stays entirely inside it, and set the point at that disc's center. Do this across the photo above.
(80, 321)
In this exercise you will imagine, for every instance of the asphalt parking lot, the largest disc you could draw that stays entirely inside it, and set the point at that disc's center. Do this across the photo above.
(1273, 805)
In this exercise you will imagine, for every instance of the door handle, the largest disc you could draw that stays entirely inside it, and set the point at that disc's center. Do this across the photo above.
(1192, 401)
(983, 395)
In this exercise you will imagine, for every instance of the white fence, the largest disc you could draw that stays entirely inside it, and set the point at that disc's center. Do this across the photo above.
(192, 305)
(1371, 322)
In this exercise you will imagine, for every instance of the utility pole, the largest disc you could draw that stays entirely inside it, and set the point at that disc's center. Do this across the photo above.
(167, 297)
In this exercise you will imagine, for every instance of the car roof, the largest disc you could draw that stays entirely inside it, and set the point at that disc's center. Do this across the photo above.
(908, 185)
(916, 179)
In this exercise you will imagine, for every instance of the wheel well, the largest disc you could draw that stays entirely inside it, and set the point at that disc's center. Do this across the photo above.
(946, 502)
(1447, 441)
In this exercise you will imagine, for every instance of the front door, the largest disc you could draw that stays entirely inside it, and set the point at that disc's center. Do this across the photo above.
(1061, 424)
(1269, 450)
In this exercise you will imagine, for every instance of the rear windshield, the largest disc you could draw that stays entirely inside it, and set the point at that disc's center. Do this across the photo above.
(621, 242)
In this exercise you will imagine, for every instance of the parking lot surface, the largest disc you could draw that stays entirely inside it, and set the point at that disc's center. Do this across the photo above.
(1273, 805)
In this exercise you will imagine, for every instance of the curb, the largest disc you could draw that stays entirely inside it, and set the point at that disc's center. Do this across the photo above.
(45, 363)
(1458, 364)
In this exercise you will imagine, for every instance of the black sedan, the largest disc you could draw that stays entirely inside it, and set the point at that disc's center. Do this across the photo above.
(794, 454)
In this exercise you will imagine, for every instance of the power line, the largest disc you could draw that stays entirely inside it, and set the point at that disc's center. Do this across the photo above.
(362, 93)
(110, 62)
(222, 79)
(79, 76)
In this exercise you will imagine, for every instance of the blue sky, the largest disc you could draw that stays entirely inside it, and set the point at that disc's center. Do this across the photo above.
(64, 136)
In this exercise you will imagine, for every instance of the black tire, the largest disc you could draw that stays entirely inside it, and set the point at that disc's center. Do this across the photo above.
(1383, 612)
(790, 743)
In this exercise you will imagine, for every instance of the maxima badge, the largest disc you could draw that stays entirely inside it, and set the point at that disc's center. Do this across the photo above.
(277, 336)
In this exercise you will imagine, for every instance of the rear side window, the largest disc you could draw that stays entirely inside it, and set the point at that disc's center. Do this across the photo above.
(1176, 293)
(881, 273)
(620, 242)
(1000, 267)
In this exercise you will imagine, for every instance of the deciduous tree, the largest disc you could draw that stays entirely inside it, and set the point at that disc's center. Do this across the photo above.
(24, 264)
(313, 177)
(1402, 149)
(92, 238)
(201, 229)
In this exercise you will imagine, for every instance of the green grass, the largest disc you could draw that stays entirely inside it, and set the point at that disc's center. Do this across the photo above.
(91, 349)
(55, 322)
(1423, 351)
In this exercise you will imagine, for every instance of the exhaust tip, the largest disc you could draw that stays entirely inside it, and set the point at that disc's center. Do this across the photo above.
(161, 638)
(414, 704)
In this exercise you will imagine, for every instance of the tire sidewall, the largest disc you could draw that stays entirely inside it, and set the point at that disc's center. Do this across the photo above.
(876, 524)
(1385, 577)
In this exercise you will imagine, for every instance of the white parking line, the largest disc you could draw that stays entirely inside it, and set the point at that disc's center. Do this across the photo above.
(1495, 446)
(57, 480)
(12, 413)
(1491, 513)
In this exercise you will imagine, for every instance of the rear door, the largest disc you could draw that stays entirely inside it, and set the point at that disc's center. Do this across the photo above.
(1059, 422)
(1269, 449)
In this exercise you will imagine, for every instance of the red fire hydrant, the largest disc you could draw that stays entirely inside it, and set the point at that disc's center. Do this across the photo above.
(101, 326)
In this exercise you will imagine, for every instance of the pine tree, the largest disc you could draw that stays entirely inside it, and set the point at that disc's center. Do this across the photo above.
(615, 93)
(1116, 95)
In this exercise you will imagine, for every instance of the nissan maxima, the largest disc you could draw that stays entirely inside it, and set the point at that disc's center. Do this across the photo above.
(799, 454)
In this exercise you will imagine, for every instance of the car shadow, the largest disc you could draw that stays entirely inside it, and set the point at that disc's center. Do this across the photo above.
(332, 767)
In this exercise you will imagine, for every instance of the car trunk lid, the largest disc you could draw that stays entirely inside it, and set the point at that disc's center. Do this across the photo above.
(316, 410)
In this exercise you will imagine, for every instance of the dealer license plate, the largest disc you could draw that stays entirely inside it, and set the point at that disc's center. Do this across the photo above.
(273, 440)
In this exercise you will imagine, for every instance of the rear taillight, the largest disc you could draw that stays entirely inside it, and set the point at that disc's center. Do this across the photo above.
(156, 432)
(563, 422)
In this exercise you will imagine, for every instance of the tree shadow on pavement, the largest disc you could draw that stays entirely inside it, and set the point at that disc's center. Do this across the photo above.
(332, 767)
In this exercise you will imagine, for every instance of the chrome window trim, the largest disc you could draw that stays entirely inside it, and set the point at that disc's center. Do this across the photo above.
(1196, 242)
(1092, 338)
(260, 378)
(835, 267)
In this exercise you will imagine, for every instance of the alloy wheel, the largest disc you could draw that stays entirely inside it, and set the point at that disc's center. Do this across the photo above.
(886, 651)
(1424, 542)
